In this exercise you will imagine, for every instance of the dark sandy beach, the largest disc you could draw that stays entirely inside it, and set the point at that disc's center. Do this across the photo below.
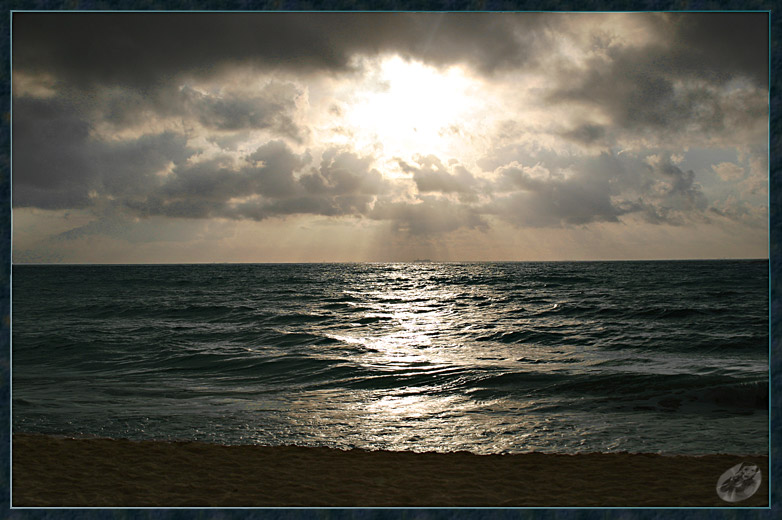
(51, 471)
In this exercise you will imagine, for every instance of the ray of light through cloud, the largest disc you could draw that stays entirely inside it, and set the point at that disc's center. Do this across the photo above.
(389, 136)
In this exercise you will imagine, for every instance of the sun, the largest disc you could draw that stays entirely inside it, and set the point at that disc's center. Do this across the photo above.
(410, 108)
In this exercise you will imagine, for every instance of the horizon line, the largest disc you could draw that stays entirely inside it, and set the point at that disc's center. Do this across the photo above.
(419, 261)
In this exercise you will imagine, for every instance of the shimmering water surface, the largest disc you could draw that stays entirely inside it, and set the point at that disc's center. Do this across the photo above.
(487, 357)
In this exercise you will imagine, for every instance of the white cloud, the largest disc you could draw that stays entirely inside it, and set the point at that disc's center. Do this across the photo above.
(729, 171)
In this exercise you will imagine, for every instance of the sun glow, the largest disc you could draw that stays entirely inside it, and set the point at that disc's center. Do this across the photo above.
(408, 107)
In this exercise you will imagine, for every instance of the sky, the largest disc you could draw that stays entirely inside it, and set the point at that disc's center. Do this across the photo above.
(340, 137)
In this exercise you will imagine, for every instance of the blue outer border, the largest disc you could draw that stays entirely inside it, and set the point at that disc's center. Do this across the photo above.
(775, 264)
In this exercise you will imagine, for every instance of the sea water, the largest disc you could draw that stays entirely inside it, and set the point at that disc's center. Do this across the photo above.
(665, 356)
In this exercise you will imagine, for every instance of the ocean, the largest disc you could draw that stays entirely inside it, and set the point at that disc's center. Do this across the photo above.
(557, 357)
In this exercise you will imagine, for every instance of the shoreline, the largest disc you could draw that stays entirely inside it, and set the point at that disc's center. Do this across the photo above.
(53, 471)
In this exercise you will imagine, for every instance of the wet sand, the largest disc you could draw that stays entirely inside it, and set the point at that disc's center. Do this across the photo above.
(59, 472)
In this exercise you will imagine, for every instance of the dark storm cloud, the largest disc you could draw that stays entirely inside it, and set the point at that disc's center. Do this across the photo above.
(231, 113)
(487, 41)
(672, 84)
(429, 216)
(586, 133)
(669, 193)
(638, 99)
(204, 189)
(225, 115)
(542, 199)
(344, 173)
(719, 46)
(432, 176)
(214, 180)
(144, 50)
(329, 206)
(273, 167)
(50, 170)
(57, 164)
(265, 186)
(343, 184)
(558, 191)
(270, 108)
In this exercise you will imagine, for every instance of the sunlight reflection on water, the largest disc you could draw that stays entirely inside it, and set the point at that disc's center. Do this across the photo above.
(481, 357)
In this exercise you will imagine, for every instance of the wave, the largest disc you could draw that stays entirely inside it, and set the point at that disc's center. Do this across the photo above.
(297, 318)
(734, 395)
(523, 336)
(673, 313)
(287, 350)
